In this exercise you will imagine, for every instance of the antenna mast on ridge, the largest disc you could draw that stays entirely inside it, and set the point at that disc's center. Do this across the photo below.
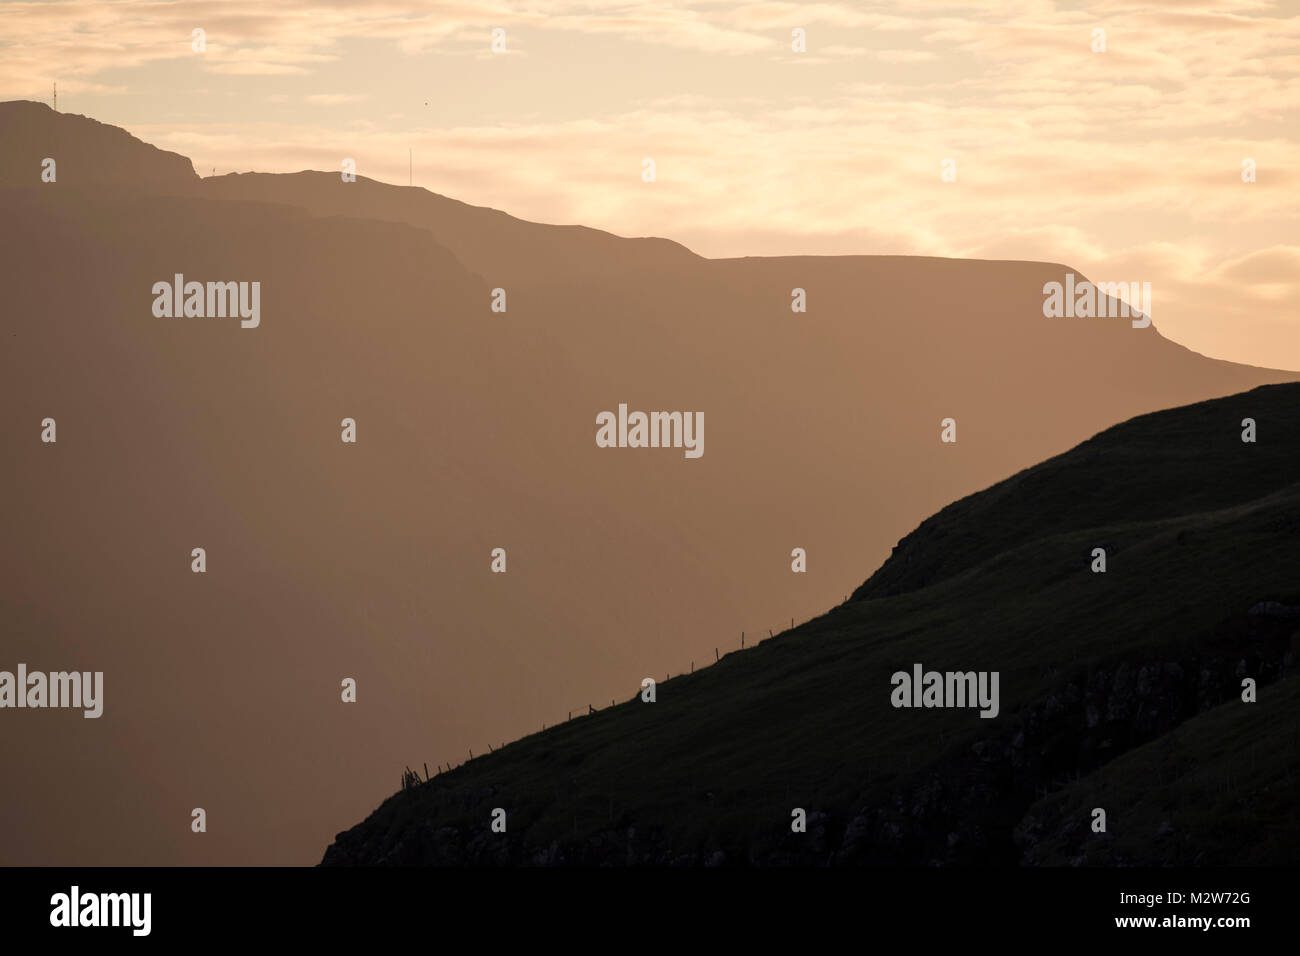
(56, 97)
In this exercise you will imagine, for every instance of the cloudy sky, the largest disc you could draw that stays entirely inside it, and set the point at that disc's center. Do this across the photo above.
(1126, 164)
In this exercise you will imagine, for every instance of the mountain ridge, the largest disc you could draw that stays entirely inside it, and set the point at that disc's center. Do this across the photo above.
(1086, 712)
(88, 153)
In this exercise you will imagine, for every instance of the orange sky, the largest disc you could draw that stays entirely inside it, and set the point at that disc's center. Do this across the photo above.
(1126, 164)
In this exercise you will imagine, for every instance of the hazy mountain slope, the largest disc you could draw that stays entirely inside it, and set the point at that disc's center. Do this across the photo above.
(1091, 667)
(494, 244)
(221, 689)
(475, 431)
(86, 152)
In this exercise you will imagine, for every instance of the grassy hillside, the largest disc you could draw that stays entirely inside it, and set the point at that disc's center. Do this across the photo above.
(1220, 787)
(1151, 467)
(1098, 671)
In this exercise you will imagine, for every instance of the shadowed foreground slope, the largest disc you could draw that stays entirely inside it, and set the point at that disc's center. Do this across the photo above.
(1119, 690)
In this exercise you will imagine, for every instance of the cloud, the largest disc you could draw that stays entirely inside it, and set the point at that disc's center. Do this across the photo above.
(906, 56)
(332, 99)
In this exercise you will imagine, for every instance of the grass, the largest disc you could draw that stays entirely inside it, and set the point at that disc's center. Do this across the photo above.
(1198, 527)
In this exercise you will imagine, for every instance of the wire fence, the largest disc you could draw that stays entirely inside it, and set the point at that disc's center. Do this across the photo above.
(747, 640)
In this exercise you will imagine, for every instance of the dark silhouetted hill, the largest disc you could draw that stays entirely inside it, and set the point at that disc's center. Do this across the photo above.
(1119, 690)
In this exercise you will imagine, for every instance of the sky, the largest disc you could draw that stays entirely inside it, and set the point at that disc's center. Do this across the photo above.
(1124, 163)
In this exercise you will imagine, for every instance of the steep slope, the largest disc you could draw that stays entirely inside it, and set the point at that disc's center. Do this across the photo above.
(1092, 666)
(1200, 463)
(87, 153)
(475, 431)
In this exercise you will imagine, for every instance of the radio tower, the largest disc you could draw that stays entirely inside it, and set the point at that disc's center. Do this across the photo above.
(56, 97)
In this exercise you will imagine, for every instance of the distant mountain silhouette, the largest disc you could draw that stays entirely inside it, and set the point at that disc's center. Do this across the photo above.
(476, 430)
(1119, 690)
(88, 153)
(497, 246)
